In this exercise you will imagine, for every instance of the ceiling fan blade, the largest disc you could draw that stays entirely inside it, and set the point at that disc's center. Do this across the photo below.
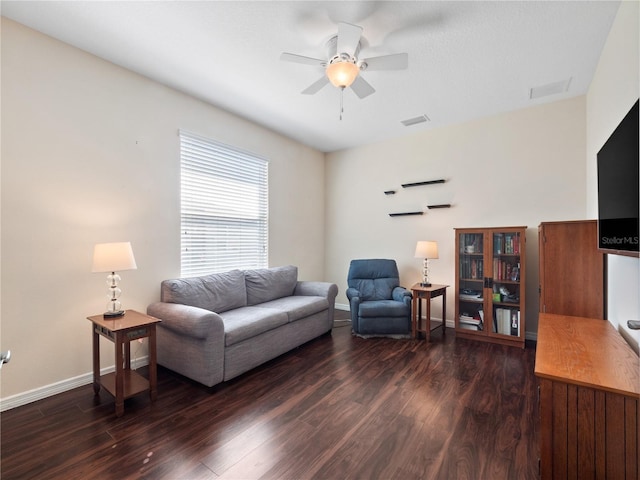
(292, 57)
(396, 61)
(361, 87)
(316, 86)
(348, 38)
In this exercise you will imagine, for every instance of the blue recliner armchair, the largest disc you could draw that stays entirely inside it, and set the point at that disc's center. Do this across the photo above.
(378, 304)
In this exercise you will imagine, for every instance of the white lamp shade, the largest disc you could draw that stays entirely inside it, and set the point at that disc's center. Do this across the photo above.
(113, 257)
(426, 249)
(342, 73)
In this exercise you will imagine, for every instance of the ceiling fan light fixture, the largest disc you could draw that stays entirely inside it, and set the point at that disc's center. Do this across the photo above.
(342, 72)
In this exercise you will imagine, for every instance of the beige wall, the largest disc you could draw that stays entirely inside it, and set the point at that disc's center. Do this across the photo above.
(614, 90)
(90, 153)
(517, 168)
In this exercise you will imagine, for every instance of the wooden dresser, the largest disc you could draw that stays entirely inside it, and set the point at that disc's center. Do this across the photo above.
(589, 400)
(572, 270)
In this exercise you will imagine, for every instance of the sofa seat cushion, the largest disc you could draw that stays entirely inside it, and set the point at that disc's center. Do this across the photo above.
(383, 308)
(217, 292)
(298, 306)
(247, 322)
(265, 284)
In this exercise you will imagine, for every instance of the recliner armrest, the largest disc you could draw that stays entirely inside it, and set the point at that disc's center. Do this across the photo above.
(187, 320)
(352, 293)
(401, 294)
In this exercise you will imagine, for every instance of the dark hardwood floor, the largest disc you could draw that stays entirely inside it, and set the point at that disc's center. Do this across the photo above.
(338, 407)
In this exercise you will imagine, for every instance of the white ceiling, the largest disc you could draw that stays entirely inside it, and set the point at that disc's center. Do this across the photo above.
(466, 59)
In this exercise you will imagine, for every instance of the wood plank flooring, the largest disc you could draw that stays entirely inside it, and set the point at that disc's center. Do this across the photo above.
(338, 407)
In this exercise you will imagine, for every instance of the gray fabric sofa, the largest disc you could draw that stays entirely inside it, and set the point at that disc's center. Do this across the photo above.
(218, 326)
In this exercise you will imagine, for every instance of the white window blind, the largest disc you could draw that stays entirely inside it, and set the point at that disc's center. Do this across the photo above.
(224, 207)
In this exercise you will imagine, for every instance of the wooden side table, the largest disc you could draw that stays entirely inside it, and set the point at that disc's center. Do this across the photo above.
(427, 293)
(124, 382)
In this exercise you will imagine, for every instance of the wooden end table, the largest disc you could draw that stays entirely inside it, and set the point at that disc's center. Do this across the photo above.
(427, 293)
(124, 382)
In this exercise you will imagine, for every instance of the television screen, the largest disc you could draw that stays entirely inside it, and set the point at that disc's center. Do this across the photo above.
(618, 197)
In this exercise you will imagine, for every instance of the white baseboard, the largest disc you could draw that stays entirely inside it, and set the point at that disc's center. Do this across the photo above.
(36, 394)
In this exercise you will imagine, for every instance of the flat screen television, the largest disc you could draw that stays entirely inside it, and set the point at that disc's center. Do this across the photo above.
(618, 180)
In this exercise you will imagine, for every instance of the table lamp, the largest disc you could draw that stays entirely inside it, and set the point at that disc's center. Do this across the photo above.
(112, 257)
(426, 250)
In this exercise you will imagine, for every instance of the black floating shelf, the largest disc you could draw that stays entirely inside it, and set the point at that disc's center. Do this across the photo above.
(404, 214)
(418, 184)
(389, 192)
(442, 205)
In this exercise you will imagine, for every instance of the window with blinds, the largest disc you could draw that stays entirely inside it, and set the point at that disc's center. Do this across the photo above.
(224, 207)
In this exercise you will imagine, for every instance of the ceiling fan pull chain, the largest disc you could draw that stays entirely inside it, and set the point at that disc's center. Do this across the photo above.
(341, 101)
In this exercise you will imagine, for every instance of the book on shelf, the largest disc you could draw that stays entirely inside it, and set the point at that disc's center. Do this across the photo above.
(506, 321)
(497, 243)
(515, 244)
(472, 268)
(468, 326)
(499, 324)
(469, 323)
(503, 270)
(506, 244)
(469, 319)
(515, 323)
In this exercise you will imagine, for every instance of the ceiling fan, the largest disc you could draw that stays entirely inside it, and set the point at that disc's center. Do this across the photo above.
(342, 68)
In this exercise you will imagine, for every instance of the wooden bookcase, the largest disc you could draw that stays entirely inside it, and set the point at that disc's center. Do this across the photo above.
(490, 284)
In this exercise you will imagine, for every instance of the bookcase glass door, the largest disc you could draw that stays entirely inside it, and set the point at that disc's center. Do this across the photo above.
(470, 304)
(490, 284)
(505, 283)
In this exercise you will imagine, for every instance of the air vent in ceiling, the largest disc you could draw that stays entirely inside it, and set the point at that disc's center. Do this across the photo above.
(415, 120)
(549, 89)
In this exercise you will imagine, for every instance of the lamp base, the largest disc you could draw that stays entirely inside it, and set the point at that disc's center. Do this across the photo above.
(425, 284)
(119, 313)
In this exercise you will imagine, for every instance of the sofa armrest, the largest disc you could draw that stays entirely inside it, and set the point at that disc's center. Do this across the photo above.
(318, 289)
(187, 320)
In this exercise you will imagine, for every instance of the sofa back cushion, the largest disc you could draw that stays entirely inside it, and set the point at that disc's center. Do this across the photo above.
(217, 292)
(266, 284)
